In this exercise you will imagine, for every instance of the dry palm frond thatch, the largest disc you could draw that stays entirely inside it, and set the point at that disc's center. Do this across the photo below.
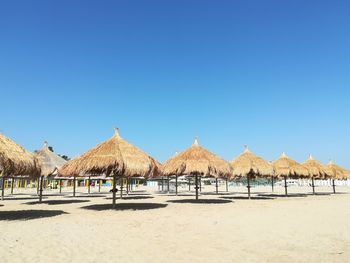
(49, 161)
(316, 169)
(286, 167)
(338, 172)
(196, 160)
(112, 157)
(249, 164)
(15, 160)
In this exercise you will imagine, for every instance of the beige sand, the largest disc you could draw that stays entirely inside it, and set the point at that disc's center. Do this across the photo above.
(295, 229)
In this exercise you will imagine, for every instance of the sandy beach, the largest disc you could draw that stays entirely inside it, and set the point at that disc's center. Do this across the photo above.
(156, 227)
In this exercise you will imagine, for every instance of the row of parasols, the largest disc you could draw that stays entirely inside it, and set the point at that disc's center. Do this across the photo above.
(116, 158)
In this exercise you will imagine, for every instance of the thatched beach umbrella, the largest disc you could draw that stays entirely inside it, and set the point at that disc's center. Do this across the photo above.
(286, 167)
(338, 173)
(198, 162)
(249, 165)
(49, 163)
(114, 157)
(316, 170)
(16, 161)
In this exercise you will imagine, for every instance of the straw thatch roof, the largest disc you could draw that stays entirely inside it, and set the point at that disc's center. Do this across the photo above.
(114, 156)
(15, 160)
(338, 172)
(49, 161)
(284, 166)
(249, 163)
(196, 160)
(316, 169)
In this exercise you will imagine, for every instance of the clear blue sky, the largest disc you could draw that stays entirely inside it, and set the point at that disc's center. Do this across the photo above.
(271, 74)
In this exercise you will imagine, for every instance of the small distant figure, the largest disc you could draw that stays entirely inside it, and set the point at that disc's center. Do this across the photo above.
(111, 191)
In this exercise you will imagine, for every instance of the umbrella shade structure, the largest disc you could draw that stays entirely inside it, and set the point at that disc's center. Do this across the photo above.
(250, 165)
(114, 157)
(198, 162)
(338, 173)
(49, 163)
(286, 167)
(316, 170)
(16, 161)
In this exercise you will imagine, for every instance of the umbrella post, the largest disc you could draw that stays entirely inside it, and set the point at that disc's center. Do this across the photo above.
(196, 182)
(272, 184)
(99, 186)
(38, 186)
(248, 185)
(176, 184)
(2, 188)
(74, 185)
(41, 189)
(226, 185)
(313, 185)
(333, 184)
(60, 182)
(285, 186)
(89, 182)
(189, 184)
(216, 186)
(168, 184)
(121, 187)
(12, 183)
(114, 190)
(127, 186)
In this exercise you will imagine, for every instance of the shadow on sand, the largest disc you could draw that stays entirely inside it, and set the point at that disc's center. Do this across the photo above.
(85, 196)
(200, 201)
(282, 195)
(28, 214)
(125, 206)
(57, 202)
(132, 197)
(23, 198)
(246, 197)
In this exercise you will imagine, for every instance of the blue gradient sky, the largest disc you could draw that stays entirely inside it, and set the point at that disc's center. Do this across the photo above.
(271, 74)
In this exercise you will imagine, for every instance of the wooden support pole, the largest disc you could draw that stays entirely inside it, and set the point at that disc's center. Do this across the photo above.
(272, 184)
(12, 184)
(176, 184)
(162, 183)
(89, 183)
(168, 181)
(216, 186)
(114, 190)
(121, 187)
(200, 184)
(226, 185)
(189, 184)
(41, 189)
(37, 186)
(2, 187)
(248, 185)
(285, 186)
(313, 185)
(74, 185)
(127, 186)
(196, 182)
(60, 182)
(99, 185)
(333, 184)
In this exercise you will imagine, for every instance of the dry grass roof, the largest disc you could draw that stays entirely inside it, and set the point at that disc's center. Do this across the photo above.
(114, 156)
(196, 160)
(49, 161)
(15, 160)
(284, 166)
(249, 163)
(338, 172)
(317, 169)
